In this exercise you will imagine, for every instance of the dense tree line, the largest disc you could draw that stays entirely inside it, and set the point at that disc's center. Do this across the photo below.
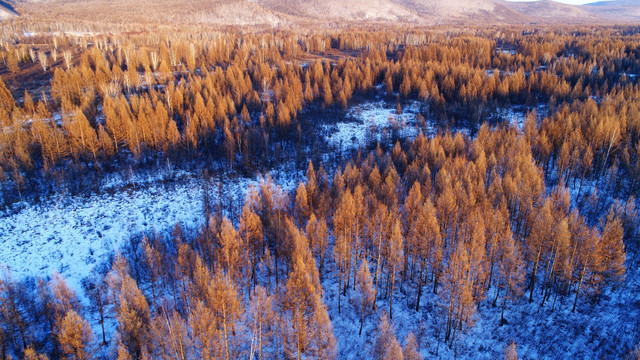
(455, 222)
(470, 220)
(122, 100)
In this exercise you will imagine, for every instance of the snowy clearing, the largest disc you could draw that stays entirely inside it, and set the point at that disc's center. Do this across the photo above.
(72, 235)
(373, 122)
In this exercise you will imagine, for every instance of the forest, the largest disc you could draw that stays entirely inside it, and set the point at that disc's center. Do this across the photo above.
(475, 220)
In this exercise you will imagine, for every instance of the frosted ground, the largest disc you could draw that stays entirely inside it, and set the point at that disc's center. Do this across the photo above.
(371, 122)
(606, 330)
(72, 235)
(377, 121)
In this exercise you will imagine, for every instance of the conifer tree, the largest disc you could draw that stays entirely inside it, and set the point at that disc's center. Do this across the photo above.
(365, 291)
(31, 354)
(263, 324)
(75, 337)
(96, 289)
(318, 234)
(251, 231)
(132, 312)
(386, 346)
(394, 261)
(510, 352)
(411, 348)
(612, 251)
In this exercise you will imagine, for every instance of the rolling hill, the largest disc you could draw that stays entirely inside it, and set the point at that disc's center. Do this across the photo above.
(547, 11)
(291, 12)
(616, 10)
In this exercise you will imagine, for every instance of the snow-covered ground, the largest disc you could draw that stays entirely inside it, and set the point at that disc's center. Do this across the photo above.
(516, 115)
(70, 235)
(608, 329)
(373, 122)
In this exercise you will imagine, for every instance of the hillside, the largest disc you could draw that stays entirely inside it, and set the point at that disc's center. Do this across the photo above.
(616, 10)
(350, 10)
(291, 12)
(233, 12)
(553, 12)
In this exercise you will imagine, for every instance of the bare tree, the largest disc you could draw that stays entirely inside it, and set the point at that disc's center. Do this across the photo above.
(67, 59)
(44, 61)
(154, 60)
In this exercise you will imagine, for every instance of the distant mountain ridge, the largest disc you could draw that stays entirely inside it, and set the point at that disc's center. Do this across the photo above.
(616, 10)
(276, 12)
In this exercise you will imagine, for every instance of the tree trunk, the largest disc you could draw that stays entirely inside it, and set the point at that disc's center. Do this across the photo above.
(421, 280)
(339, 292)
(575, 302)
(377, 270)
(226, 337)
(534, 274)
(392, 279)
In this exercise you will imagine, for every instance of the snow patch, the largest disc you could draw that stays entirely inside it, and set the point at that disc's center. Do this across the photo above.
(373, 122)
(72, 235)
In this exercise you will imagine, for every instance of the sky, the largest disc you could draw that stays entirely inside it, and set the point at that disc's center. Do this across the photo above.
(573, 2)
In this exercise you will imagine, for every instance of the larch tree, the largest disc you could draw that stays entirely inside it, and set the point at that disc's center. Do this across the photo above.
(171, 336)
(6, 98)
(252, 234)
(342, 229)
(228, 310)
(411, 350)
(312, 186)
(96, 289)
(537, 242)
(457, 296)
(302, 206)
(366, 292)
(511, 352)
(13, 314)
(380, 229)
(83, 137)
(75, 337)
(153, 261)
(31, 354)
(512, 272)
(205, 332)
(612, 249)
(322, 342)
(386, 346)
(394, 261)
(311, 330)
(559, 255)
(587, 244)
(425, 234)
(229, 255)
(132, 312)
(318, 233)
(58, 300)
(263, 324)
(412, 205)
(300, 304)
(64, 298)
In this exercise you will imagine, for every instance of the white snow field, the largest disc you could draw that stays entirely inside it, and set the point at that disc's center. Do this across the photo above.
(72, 235)
(371, 122)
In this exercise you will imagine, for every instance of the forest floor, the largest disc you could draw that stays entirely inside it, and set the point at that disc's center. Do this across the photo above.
(71, 235)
